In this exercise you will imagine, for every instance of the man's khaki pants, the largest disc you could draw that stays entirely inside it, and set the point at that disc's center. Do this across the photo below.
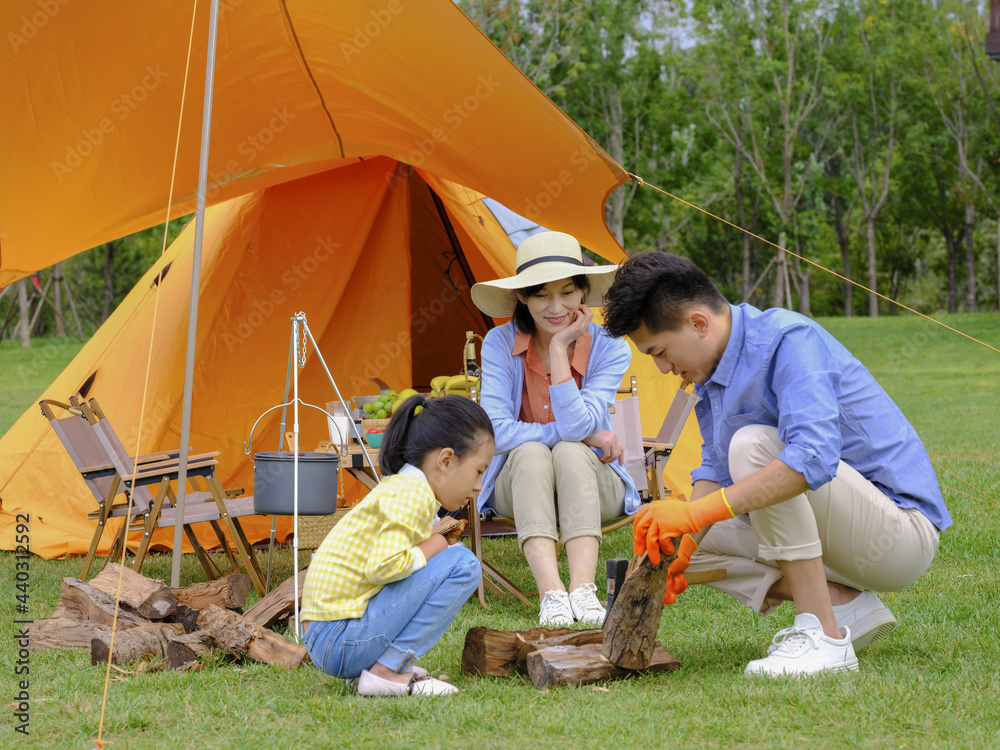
(865, 539)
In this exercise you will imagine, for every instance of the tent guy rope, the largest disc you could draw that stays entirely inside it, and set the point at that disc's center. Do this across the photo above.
(99, 743)
(642, 182)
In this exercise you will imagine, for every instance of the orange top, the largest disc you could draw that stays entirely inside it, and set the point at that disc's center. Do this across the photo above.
(536, 405)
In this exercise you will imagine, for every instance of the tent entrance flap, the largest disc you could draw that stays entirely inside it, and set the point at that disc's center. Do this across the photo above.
(440, 291)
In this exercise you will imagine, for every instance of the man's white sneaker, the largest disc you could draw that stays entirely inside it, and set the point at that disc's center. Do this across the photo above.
(556, 611)
(586, 606)
(805, 649)
(420, 672)
(866, 617)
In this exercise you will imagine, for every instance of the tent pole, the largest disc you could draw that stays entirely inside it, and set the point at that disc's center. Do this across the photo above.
(192, 333)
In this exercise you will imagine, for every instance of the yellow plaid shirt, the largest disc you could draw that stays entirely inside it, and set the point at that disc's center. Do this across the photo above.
(371, 546)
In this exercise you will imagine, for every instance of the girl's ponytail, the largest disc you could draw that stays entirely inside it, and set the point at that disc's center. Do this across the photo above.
(452, 422)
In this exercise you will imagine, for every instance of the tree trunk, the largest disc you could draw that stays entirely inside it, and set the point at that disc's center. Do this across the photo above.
(616, 148)
(951, 243)
(779, 269)
(970, 256)
(109, 262)
(872, 269)
(745, 284)
(22, 305)
(57, 302)
(845, 254)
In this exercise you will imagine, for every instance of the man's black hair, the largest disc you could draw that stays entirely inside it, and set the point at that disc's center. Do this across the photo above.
(657, 288)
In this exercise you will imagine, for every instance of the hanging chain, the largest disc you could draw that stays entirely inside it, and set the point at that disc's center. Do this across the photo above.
(301, 338)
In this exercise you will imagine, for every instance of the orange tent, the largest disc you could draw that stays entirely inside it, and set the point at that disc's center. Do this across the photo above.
(342, 141)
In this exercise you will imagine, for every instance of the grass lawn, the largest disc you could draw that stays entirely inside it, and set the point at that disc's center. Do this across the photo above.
(26, 373)
(933, 683)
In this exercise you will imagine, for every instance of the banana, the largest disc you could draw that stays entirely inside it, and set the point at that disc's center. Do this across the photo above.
(458, 381)
(440, 382)
(456, 392)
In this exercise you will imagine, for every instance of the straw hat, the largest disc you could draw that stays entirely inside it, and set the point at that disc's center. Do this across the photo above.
(543, 257)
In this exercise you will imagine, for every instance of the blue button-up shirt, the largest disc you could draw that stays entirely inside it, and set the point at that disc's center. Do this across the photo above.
(784, 370)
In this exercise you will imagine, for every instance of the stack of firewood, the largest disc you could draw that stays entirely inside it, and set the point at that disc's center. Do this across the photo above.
(180, 625)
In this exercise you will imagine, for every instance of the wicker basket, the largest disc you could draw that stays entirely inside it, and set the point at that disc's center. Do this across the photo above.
(313, 529)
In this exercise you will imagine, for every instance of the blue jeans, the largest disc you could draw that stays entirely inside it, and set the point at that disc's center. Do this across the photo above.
(403, 621)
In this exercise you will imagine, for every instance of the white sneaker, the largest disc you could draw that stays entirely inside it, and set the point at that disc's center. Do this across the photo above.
(556, 611)
(805, 649)
(866, 617)
(586, 606)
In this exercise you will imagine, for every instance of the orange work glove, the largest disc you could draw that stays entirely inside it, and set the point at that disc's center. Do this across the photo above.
(653, 529)
(676, 582)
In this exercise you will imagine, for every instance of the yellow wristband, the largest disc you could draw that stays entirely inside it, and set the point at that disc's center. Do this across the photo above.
(722, 492)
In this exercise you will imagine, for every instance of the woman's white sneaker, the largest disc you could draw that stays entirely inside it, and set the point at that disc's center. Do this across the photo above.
(805, 649)
(586, 606)
(866, 617)
(555, 611)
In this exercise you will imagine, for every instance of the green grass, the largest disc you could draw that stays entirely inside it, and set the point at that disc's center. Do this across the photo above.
(933, 683)
(26, 373)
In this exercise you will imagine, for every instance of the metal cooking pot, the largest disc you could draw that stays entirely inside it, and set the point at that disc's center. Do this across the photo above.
(274, 483)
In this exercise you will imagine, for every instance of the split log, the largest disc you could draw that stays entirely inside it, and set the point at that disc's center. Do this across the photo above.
(277, 604)
(228, 592)
(494, 652)
(184, 649)
(185, 616)
(135, 644)
(151, 599)
(552, 666)
(631, 625)
(575, 638)
(240, 636)
(64, 632)
(81, 601)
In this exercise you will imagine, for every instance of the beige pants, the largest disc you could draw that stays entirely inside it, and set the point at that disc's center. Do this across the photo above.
(565, 488)
(865, 539)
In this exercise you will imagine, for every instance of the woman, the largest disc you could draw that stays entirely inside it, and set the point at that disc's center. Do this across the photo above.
(549, 377)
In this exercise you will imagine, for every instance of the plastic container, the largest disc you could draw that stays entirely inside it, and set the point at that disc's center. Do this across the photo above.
(274, 483)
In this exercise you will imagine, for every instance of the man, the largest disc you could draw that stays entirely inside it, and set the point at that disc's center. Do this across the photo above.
(813, 486)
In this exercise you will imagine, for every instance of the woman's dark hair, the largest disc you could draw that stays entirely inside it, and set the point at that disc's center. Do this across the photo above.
(522, 316)
(452, 422)
(658, 289)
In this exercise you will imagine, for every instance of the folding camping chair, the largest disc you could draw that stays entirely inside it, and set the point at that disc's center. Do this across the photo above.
(91, 460)
(209, 502)
(644, 460)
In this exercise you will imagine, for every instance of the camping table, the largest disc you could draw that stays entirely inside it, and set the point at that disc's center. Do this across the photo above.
(354, 462)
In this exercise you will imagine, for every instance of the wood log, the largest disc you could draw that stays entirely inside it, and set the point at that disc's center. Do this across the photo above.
(630, 627)
(277, 604)
(185, 616)
(136, 644)
(240, 636)
(575, 638)
(63, 632)
(582, 665)
(228, 592)
(151, 599)
(494, 652)
(81, 601)
(184, 649)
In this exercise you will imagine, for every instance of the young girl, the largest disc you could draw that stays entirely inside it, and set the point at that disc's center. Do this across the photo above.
(549, 376)
(382, 588)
